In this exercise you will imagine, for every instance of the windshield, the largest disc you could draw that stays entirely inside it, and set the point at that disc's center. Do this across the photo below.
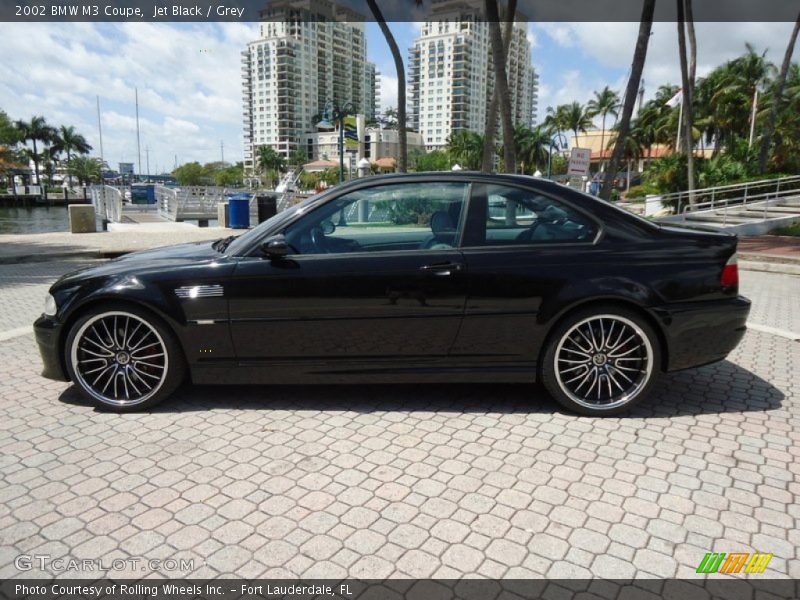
(239, 244)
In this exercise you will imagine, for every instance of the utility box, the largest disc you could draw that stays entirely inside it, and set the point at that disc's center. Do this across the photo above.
(143, 193)
(81, 219)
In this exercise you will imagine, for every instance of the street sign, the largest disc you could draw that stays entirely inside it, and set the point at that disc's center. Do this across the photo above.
(579, 161)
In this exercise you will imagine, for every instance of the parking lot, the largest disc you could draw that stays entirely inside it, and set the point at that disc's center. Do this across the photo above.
(425, 481)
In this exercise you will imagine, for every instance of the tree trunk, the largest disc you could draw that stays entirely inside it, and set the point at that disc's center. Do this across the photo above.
(776, 101)
(688, 125)
(602, 142)
(501, 84)
(491, 118)
(402, 134)
(36, 162)
(637, 66)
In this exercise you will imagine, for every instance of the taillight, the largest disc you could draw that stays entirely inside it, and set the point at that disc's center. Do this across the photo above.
(730, 273)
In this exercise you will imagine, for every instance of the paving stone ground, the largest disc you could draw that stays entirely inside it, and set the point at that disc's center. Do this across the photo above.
(404, 481)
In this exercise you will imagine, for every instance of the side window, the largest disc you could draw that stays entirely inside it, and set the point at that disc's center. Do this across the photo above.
(402, 216)
(512, 216)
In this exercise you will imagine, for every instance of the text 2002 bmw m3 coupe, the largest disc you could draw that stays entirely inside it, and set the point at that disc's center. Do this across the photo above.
(454, 277)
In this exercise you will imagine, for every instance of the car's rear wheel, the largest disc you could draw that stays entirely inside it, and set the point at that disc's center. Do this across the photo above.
(601, 361)
(123, 358)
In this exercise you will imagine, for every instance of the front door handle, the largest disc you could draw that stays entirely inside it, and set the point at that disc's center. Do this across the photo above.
(442, 269)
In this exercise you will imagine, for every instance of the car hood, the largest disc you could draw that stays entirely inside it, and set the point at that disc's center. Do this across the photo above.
(156, 259)
(190, 251)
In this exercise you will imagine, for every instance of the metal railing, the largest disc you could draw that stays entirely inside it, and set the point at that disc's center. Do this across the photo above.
(189, 202)
(721, 197)
(107, 201)
(167, 202)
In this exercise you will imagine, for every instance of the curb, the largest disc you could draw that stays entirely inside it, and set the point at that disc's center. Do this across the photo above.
(770, 267)
(81, 254)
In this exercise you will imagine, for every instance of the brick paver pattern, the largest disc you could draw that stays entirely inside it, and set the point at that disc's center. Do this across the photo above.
(404, 481)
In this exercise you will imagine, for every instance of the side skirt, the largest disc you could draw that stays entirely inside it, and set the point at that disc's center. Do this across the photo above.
(351, 372)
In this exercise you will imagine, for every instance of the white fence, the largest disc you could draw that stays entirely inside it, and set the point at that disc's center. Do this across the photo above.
(107, 201)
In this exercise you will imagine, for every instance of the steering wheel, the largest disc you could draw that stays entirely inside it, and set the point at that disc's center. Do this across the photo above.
(317, 236)
(527, 235)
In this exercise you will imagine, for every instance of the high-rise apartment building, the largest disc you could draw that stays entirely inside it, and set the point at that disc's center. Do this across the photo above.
(451, 77)
(307, 54)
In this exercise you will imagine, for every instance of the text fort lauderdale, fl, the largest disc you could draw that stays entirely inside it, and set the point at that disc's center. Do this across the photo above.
(168, 589)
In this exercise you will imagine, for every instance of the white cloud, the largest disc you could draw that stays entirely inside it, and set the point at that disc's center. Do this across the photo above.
(388, 91)
(612, 44)
(188, 78)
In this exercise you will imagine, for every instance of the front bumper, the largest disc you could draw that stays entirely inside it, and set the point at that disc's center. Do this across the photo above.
(699, 333)
(48, 334)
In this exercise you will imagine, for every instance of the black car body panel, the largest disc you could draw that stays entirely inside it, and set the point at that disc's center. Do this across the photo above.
(463, 313)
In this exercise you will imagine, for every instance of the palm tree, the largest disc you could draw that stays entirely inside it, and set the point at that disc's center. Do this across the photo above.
(780, 85)
(35, 130)
(491, 120)
(532, 147)
(86, 170)
(402, 136)
(637, 66)
(67, 140)
(556, 120)
(605, 102)
(269, 160)
(501, 82)
(577, 119)
(466, 148)
(688, 127)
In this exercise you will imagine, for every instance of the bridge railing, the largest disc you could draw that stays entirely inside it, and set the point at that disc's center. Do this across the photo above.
(107, 201)
(731, 195)
(167, 202)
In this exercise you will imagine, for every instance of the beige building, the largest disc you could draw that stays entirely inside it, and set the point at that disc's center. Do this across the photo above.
(602, 146)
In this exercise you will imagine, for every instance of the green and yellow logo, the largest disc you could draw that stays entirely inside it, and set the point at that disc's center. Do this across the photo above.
(734, 562)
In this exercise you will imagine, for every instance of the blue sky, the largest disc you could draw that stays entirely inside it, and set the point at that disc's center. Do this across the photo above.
(188, 75)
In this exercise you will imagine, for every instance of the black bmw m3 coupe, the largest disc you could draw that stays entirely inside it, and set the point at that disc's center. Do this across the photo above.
(439, 277)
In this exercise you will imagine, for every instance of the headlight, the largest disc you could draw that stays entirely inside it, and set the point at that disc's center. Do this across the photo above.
(50, 307)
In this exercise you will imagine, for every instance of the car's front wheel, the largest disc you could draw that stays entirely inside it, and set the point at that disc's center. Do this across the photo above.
(601, 361)
(123, 358)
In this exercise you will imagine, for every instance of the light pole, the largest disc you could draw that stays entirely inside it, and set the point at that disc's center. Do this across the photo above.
(333, 113)
(555, 141)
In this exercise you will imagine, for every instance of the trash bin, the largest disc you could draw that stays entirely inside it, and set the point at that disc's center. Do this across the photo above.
(239, 211)
(267, 206)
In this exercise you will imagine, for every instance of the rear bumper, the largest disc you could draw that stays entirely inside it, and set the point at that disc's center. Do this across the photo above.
(698, 333)
(47, 330)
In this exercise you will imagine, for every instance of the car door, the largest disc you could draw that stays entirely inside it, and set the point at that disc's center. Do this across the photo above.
(521, 250)
(372, 274)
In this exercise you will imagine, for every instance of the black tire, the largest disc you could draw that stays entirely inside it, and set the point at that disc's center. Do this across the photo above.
(123, 357)
(601, 360)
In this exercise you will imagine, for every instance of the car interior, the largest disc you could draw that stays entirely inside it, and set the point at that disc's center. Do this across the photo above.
(405, 221)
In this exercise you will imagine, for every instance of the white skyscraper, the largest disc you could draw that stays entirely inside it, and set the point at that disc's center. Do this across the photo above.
(452, 78)
(306, 55)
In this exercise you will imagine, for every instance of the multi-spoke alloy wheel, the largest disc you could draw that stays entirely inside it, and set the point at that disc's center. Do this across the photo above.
(601, 363)
(119, 358)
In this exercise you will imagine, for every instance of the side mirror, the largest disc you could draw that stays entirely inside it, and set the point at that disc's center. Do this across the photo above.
(275, 247)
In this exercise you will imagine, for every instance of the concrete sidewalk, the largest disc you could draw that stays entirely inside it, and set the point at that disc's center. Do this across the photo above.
(40, 247)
